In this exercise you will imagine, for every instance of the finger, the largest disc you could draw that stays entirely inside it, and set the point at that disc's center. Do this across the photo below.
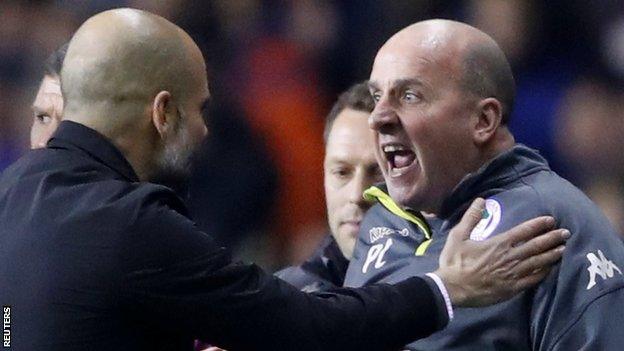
(469, 220)
(538, 262)
(540, 244)
(530, 280)
(527, 230)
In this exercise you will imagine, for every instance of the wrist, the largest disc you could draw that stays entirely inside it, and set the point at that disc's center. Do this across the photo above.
(444, 292)
(455, 292)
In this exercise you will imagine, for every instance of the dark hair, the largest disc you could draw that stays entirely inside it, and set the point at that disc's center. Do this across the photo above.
(487, 73)
(54, 63)
(357, 97)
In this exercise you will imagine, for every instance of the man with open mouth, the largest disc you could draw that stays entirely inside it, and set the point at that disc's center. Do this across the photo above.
(444, 93)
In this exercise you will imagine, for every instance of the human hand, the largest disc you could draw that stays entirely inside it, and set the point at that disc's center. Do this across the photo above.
(481, 273)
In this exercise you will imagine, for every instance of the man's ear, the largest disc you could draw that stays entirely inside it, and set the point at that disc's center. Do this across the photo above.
(164, 116)
(489, 116)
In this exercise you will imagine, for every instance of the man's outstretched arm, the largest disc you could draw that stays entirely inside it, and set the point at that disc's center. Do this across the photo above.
(199, 292)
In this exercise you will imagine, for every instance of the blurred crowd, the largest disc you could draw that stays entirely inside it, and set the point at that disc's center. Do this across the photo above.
(275, 68)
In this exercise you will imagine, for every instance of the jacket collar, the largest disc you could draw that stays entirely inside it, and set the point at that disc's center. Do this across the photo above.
(379, 193)
(506, 168)
(72, 135)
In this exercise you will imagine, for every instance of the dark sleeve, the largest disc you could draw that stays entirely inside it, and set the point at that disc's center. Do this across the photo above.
(178, 280)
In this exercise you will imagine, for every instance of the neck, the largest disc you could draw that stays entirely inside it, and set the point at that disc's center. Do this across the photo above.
(138, 153)
(130, 139)
(502, 141)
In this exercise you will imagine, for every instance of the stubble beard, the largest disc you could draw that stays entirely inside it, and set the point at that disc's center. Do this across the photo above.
(174, 163)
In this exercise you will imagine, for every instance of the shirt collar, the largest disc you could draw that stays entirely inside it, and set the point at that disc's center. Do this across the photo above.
(72, 135)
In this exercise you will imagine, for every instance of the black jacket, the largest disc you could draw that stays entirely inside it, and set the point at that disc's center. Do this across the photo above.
(579, 306)
(93, 259)
(325, 270)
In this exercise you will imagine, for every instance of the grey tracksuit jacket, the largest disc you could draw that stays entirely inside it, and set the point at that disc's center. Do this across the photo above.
(580, 305)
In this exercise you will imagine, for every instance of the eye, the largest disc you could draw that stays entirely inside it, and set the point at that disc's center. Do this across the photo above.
(376, 96)
(43, 118)
(410, 96)
(341, 173)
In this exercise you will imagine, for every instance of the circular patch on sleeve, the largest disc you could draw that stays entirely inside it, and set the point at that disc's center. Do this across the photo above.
(489, 222)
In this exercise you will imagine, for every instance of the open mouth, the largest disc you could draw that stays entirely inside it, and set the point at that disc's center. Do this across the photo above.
(399, 158)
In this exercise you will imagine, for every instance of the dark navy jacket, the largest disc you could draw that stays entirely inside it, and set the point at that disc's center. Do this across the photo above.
(580, 305)
(93, 259)
(325, 270)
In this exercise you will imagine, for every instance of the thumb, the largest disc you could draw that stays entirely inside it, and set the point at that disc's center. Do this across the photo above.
(471, 217)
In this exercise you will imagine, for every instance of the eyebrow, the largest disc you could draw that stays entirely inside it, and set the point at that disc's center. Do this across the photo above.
(372, 85)
(39, 109)
(337, 159)
(398, 83)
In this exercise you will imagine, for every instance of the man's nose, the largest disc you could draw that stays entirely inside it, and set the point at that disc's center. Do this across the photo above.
(383, 116)
(356, 189)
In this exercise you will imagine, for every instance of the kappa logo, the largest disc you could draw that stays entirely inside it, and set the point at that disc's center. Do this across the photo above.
(489, 222)
(599, 265)
(377, 233)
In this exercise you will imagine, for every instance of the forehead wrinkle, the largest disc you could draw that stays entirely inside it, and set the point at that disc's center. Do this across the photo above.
(51, 94)
(414, 63)
(404, 82)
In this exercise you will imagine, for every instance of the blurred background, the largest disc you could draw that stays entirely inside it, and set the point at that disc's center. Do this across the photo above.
(275, 68)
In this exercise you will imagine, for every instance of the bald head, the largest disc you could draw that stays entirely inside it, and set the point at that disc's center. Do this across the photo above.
(139, 80)
(468, 55)
(119, 60)
(443, 93)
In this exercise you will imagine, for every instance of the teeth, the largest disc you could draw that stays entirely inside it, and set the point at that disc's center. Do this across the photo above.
(394, 148)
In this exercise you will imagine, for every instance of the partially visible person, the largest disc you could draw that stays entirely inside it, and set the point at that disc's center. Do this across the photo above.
(48, 104)
(350, 168)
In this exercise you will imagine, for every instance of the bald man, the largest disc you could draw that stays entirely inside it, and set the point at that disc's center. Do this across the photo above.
(444, 93)
(94, 257)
